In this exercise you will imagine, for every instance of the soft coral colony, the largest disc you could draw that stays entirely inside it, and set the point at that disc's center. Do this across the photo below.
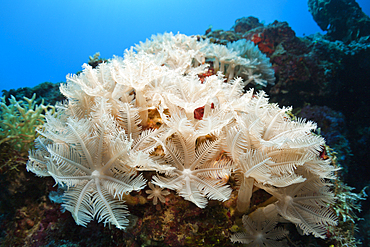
(100, 141)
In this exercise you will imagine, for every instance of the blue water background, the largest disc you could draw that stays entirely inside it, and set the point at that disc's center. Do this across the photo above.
(44, 40)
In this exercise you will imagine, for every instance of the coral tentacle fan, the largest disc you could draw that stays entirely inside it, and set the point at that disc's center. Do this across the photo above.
(175, 106)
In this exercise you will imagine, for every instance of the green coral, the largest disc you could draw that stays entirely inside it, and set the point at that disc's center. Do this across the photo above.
(19, 121)
(95, 60)
(347, 203)
(345, 207)
(350, 202)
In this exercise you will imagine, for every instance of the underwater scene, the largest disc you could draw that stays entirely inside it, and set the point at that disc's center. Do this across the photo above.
(206, 124)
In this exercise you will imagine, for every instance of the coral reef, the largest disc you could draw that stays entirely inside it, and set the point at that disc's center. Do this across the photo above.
(315, 69)
(318, 71)
(342, 19)
(46, 92)
(300, 76)
(245, 24)
(240, 150)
